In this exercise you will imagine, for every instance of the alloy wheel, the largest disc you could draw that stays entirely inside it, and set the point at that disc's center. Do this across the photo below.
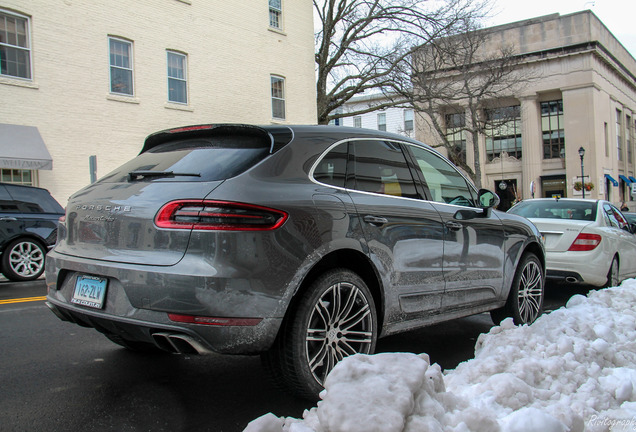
(26, 259)
(530, 292)
(340, 324)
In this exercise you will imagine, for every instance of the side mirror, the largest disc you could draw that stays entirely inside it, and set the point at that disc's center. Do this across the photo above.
(487, 199)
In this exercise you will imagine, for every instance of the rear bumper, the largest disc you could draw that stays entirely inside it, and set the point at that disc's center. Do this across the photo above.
(588, 268)
(139, 298)
(182, 339)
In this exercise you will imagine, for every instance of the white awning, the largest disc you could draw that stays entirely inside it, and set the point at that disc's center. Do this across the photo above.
(22, 147)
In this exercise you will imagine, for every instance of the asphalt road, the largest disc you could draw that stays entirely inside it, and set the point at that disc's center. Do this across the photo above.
(56, 376)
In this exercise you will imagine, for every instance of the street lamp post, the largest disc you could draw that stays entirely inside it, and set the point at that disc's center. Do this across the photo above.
(582, 154)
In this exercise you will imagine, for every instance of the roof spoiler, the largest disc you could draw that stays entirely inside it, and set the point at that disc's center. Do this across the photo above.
(274, 137)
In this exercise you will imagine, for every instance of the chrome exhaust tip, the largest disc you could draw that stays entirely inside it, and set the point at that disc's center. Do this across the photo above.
(179, 343)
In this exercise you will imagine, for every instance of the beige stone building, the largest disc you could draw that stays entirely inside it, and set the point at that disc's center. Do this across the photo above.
(84, 78)
(582, 94)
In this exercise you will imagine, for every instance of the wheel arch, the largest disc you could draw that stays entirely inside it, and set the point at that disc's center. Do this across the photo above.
(24, 236)
(353, 260)
(536, 249)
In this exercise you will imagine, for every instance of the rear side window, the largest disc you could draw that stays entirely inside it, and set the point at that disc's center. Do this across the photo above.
(332, 168)
(381, 167)
(615, 217)
(192, 160)
(7, 204)
(32, 200)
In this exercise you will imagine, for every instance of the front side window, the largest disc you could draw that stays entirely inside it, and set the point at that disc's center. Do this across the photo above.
(382, 121)
(177, 78)
(15, 50)
(278, 97)
(276, 14)
(380, 167)
(121, 66)
(444, 183)
(503, 132)
(552, 127)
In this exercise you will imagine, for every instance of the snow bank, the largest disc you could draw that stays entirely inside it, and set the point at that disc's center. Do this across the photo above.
(572, 370)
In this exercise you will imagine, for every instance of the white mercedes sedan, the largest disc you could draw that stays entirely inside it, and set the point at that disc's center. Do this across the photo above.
(587, 241)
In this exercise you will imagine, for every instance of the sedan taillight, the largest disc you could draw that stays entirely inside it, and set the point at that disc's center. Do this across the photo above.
(585, 242)
(218, 215)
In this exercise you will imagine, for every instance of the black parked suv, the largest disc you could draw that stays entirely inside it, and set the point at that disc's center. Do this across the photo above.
(28, 229)
(301, 243)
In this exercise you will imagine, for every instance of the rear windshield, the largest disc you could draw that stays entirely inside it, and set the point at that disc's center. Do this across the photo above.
(577, 210)
(190, 160)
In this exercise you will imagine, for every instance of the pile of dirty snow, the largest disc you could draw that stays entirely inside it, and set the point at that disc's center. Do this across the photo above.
(572, 370)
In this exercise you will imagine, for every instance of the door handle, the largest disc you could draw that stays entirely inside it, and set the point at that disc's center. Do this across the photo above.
(454, 226)
(8, 219)
(375, 220)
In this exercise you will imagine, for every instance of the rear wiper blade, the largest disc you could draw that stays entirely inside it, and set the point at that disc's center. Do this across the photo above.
(136, 175)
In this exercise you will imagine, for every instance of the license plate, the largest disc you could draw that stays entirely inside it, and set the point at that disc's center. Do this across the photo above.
(90, 291)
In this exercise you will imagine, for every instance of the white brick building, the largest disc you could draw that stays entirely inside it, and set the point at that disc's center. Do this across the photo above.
(95, 78)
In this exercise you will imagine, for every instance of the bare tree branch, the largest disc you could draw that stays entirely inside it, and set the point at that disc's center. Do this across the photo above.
(369, 44)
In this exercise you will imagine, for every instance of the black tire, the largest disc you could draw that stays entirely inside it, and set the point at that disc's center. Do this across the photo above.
(612, 273)
(135, 346)
(525, 300)
(23, 260)
(313, 337)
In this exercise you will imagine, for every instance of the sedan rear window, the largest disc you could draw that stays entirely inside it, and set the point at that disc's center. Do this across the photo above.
(577, 210)
(189, 160)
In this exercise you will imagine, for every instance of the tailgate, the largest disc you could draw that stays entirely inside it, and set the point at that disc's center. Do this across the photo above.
(115, 222)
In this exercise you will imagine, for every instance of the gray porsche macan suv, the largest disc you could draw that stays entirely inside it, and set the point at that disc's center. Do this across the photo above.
(300, 243)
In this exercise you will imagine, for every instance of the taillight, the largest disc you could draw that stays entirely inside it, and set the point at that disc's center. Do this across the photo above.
(585, 242)
(218, 215)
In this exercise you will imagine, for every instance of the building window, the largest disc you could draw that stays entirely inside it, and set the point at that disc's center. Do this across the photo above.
(455, 124)
(629, 139)
(17, 176)
(177, 78)
(606, 132)
(503, 132)
(619, 134)
(382, 121)
(15, 50)
(278, 97)
(553, 129)
(276, 14)
(121, 66)
(408, 121)
(357, 121)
